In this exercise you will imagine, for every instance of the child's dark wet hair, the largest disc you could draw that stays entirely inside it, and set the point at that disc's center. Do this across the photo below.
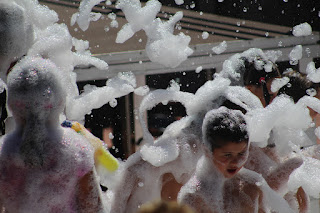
(230, 105)
(258, 72)
(254, 71)
(223, 125)
(298, 86)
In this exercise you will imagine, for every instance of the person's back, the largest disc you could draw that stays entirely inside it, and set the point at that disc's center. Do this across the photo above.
(44, 167)
(51, 187)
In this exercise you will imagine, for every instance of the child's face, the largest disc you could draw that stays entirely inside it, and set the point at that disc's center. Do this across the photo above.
(230, 158)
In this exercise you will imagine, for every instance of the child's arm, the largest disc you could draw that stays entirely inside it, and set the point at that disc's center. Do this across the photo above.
(280, 176)
(125, 189)
(303, 200)
(88, 195)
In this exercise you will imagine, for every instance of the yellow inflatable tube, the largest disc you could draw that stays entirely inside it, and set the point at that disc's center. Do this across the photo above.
(101, 155)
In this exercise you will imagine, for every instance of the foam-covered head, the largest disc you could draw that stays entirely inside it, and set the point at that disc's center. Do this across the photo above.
(225, 134)
(298, 86)
(34, 90)
(257, 68)
(223, 125)
(249, 67)
(16, 35)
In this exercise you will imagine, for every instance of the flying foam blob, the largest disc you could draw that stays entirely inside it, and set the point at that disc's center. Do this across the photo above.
(101, 155)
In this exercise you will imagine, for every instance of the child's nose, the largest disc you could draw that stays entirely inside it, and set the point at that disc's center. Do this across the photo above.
(237, 161)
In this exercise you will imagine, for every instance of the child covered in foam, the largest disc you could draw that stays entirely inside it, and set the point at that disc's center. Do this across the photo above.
(157, 171)
(43, 166)
(221, 183)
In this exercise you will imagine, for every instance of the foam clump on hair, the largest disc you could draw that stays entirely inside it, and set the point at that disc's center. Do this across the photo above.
(237, 66)
(303, 29)
(36, 33)
(33, 75)
(279, 83)
(223, 121)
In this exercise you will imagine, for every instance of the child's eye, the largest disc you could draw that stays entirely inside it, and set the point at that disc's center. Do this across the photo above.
(227, 155)
(242, 153)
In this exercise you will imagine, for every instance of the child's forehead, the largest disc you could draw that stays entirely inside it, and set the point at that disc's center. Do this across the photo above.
(232, 146)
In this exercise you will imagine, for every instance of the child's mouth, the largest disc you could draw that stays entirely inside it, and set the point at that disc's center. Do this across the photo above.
(231, 171)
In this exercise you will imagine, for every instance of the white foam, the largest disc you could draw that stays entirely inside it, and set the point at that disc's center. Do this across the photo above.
(160, 153)
(138, 17)
(163, 46)
(279, 83)
(313, 74)
(231, 66)
(142, 91)
(295, 55)
(282, 112)
(303, 29)
(84, 16)
(220, 48)
(160, 96)
(179, 2)
(205, 35)
(273, 55)
(96, 97)
(307, 177)
(199, 69)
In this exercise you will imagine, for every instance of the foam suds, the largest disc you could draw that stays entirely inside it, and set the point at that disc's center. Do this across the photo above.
(48, 48)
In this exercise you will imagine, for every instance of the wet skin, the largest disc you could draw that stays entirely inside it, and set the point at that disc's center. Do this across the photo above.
(230, 158)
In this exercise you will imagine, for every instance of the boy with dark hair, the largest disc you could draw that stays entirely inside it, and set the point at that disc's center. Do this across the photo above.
(220, 183)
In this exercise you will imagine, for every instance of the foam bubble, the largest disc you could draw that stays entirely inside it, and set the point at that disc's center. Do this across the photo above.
(303, 29)
(295, 55)
(220, 48)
